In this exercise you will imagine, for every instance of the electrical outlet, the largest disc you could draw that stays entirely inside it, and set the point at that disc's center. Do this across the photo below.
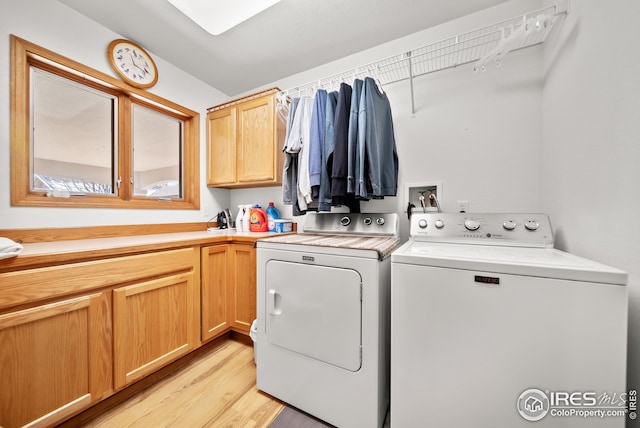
(206, 211)
(463, 206)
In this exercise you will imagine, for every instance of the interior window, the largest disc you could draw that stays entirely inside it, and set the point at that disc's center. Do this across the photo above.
(73, 139)
(157, 154)
(80, 137)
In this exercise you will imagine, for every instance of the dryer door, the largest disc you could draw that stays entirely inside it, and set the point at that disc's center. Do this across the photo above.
(315, 311)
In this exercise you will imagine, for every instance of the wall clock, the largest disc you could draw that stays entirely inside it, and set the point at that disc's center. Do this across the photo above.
(132, 63)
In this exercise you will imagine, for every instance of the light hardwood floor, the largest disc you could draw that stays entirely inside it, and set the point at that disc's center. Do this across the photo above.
(218, 389)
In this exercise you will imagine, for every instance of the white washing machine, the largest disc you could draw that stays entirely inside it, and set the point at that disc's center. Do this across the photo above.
(491, 327)
(323, 317)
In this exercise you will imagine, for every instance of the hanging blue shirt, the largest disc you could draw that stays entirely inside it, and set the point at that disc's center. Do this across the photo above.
(316, 140)
(375, 126)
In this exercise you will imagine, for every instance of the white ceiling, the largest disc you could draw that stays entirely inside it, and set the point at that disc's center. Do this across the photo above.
(289, 37)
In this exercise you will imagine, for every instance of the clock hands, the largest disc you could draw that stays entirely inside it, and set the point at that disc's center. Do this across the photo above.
(135, 64)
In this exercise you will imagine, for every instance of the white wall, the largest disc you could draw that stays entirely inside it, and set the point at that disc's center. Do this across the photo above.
(56, 27)
(591, 142)
(479, 134)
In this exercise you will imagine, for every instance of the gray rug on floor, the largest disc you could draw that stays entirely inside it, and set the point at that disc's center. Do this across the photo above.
(291, 417)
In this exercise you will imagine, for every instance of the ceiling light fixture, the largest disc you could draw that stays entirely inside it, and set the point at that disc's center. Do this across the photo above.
(217, 16)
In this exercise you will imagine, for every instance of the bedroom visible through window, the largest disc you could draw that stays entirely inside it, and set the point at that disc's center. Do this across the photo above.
(157, 151)
(74, 136)
(82, 138)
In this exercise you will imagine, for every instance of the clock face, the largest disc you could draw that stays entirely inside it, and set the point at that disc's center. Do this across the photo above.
(132, 63)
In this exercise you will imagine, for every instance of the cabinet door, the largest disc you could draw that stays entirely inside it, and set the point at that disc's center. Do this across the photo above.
(215, 271)
(256, 140)
(155, 322)
(55, 360)
(243, 294)
(221, 147)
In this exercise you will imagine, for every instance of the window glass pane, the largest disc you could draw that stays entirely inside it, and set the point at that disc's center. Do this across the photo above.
(73, 138)
(157, 154)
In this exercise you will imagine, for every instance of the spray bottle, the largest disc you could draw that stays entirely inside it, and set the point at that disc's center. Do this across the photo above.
(239, 217)
(246, 217)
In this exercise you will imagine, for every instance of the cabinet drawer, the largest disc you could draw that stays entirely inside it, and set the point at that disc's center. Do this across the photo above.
(32, 285)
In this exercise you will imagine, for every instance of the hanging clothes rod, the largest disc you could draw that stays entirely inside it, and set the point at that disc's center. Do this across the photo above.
(483, 45)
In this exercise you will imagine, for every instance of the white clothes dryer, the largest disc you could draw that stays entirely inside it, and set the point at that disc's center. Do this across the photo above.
(491, 327)
(323, 317)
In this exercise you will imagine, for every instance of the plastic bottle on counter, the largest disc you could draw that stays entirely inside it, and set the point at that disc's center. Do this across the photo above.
(246, 218)
(258, 219)
(272, 215)
(239, 217)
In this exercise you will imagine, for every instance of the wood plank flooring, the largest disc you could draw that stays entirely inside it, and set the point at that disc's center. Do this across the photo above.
(217, 389)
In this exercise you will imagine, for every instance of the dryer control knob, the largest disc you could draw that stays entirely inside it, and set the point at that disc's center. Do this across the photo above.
(509, 225)
(380, 221)
(439, 224)
(531, 225)
(367, 221)
(472, 224)
(345, 221)
(422, 224)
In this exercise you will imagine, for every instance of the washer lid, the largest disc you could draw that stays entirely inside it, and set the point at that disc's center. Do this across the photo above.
(541, 262)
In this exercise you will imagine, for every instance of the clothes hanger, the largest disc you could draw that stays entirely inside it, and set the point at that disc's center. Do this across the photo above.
(377, 79)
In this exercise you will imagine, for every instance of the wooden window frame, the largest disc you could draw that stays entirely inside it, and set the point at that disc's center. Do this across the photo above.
(24, 55)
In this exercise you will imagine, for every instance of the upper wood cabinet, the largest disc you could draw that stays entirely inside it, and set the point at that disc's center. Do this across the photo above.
(244, 142)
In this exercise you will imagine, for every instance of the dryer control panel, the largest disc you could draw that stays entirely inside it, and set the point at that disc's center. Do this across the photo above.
(371, 224)
(528, 230)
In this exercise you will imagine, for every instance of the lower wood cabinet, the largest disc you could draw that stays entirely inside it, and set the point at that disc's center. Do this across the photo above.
(154, 323)
(228, 288)
(74, 334)
(216, 272)
(243, 285)
(55, 360)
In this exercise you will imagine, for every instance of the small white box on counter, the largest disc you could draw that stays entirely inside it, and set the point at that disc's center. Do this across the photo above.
(283, 225)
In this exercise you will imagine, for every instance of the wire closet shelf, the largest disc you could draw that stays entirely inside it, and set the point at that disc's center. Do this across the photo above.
(484, 46)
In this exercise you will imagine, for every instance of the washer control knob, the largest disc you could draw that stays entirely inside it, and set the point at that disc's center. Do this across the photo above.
(345, 221)
(439, 224)
(509, 225)
(472, 224)
(367, 221)
(531, 225)
(380, 221)
(422, 224)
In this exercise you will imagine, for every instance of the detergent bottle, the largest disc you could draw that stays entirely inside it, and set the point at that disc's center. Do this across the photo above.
(258, 219)
(272, 215)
